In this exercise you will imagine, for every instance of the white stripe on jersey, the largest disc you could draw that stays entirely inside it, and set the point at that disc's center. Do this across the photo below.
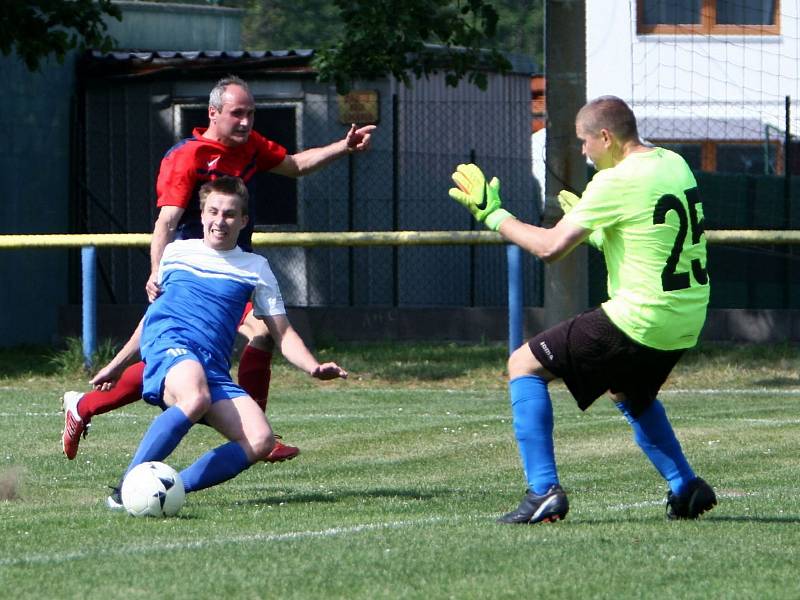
(232, 265)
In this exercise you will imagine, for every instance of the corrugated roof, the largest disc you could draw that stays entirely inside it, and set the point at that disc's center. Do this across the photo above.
(133, 63)
(129, 55)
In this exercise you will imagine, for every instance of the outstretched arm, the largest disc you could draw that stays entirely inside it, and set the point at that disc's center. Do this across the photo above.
(294, 349)
(483, 202)
(308, 161)
(106, 377)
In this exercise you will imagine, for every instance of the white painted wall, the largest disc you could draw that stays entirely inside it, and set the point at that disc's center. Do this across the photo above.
(695, 87)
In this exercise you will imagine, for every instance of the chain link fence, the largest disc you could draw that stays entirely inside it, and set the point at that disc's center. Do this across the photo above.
(400, 184)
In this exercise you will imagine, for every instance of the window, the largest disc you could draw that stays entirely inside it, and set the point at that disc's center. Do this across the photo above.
(703, 17)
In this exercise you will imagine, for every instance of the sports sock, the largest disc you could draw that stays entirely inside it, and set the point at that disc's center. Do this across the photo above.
(215, 466)
(127, 390)
(162, 437)
(653, 433)
(533, 428)
(254, 374)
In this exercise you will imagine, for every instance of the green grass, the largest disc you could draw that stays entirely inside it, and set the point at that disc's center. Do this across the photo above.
(403, 469)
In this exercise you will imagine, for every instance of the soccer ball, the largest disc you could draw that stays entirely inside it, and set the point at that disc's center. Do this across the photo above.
(152, 489)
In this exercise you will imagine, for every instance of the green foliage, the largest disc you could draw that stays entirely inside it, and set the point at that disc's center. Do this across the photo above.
(412, 37)
(290, 24)
(70, 360)
(520, 28)
(35, 29)
(375, 38)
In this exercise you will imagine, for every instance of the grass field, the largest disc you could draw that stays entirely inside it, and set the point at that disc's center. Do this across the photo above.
(403, 470)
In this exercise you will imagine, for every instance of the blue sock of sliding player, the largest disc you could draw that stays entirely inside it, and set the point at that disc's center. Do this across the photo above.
(533, 428)
(653, 433)
(162, 437)
(215, 466)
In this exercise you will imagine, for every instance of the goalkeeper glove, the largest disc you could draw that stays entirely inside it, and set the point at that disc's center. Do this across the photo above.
(481, 199)
(567, 200)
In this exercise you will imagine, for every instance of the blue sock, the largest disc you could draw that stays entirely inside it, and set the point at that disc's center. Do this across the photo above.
(162, 437)
(533, 428)
(215, 466)
(654, 435)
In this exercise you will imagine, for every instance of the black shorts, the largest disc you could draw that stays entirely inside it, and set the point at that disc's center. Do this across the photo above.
(593, 356)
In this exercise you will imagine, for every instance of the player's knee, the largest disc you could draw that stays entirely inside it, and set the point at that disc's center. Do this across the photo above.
(261, 444)
(519, 363)
(195, 406)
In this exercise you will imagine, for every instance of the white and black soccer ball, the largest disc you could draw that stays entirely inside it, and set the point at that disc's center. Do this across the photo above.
(152, 489)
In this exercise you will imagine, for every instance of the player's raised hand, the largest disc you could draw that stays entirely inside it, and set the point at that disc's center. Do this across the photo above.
(152, 288)
(567, 200)
(471, 189)
(329, 370)
(480, 198)
(358, 140)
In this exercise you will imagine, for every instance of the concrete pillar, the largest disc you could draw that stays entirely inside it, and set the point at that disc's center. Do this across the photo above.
(566, 282)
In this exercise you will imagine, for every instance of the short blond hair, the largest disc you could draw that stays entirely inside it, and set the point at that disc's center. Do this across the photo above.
(230, 186)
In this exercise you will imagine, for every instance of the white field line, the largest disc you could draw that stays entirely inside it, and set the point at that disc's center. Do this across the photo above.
(60, 557)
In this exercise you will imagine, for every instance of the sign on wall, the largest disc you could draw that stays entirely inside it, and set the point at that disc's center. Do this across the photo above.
(360, 107)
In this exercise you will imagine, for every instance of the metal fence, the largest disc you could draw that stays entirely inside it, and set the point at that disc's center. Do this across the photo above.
(400, 184)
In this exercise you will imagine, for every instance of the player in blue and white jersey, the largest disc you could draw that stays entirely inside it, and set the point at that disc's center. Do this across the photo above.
(187, 335)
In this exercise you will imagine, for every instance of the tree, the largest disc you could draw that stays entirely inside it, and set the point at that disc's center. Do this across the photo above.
(419, 37)
(35, 29)
(289, 24)
(520, 27)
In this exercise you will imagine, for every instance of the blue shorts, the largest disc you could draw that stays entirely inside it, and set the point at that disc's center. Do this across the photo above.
(165, 353)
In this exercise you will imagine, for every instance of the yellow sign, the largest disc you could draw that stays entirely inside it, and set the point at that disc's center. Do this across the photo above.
(360, 107)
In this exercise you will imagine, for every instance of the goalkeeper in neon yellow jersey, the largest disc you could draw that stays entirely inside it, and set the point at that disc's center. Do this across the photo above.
(643, 210)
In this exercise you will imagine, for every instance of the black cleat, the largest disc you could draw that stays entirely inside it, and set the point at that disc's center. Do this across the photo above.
(549, 507)
(697, 499)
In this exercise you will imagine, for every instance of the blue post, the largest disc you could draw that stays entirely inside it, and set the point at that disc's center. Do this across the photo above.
(514, 257)
(89, 305)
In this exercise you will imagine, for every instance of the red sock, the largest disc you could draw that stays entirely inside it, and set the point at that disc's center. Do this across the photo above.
(254, 374)
(127, 390)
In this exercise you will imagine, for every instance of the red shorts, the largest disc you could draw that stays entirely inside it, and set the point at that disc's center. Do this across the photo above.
(593, 356)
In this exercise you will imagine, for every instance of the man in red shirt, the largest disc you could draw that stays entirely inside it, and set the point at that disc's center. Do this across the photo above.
(227, 147)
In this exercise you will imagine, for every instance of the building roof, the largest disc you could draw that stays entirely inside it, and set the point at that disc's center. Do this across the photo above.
(169, 63)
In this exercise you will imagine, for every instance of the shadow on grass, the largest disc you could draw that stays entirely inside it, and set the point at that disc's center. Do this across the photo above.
(305, 497)
(788, 519)
(778, 382)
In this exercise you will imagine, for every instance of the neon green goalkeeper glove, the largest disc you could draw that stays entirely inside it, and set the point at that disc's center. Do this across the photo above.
(567, 200)
(480, 198)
